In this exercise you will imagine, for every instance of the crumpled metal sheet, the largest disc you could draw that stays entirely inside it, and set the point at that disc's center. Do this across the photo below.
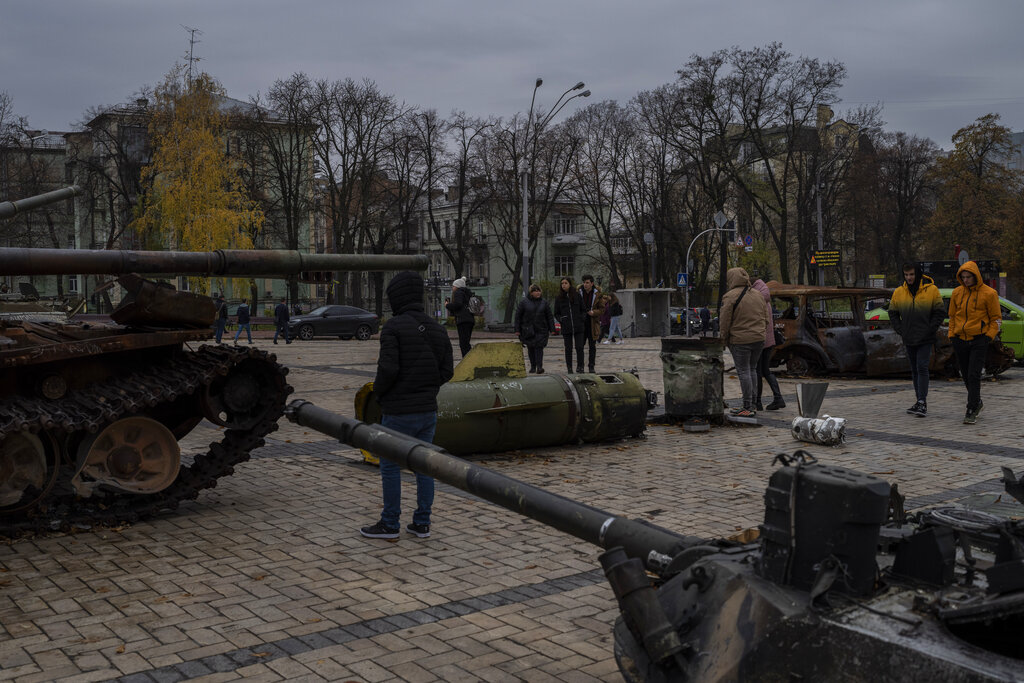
(826, 430)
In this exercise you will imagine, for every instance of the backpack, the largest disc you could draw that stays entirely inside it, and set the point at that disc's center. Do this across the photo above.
(476, 305)
(615, 309)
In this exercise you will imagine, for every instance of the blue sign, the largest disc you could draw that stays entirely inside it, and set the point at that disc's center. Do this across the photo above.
(748, 240)
(681, 279)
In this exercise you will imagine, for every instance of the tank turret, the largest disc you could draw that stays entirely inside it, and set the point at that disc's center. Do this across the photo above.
(838, 586)
(91, 413)
(12, 209)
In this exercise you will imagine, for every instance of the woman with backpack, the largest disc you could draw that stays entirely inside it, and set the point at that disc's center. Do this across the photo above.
(571, 316)
(534, 323)
(459, 308)
(614, 314)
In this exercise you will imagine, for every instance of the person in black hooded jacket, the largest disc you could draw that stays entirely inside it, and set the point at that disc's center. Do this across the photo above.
(534, 323)
(459, 308)
(415, 360)
(570, 315)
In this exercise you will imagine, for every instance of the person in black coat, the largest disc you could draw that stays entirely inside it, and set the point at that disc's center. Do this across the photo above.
(705, 320)
(415, 360)
(459, 308)
(570, 315)
(534, 323)
(281, 318)
(222, 317)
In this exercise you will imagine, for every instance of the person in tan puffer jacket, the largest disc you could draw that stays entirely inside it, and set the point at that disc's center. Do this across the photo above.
(743, 324)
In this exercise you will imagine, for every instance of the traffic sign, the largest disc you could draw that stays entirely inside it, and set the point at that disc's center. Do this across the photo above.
(825, 257)
(681, 279)
(748, 240)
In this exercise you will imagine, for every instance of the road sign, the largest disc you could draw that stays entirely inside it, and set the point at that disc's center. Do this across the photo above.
(825, 258)
(748, 248)
(963, 257)
(681, 279)
(748, 240)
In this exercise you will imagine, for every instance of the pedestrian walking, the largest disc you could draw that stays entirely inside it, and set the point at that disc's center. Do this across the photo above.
(459, 308)
(606, 320)
(974, 321)
(415, 360)
(916, 312)
(281, 318)
(705, 320)
(534, 322)
(221, 319)
(764, 366)
(743, 320)
(570, 315)
(593, 306)
(243, 321)
(614, 310)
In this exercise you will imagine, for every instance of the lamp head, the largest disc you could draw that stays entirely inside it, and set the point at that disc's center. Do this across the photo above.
(585, 93)
(540, 82)
(578, 86)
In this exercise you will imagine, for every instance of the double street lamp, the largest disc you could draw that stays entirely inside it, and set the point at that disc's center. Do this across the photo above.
(537, 129)
(723, 224)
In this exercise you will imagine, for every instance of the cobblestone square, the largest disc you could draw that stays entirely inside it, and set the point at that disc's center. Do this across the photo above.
(266, 577)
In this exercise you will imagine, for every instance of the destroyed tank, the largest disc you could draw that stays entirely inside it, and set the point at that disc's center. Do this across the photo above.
(91, 414)
(837, 584)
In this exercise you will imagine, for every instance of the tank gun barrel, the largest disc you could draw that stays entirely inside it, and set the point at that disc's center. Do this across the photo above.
(12, 209)
(651, 544)
(267, 263)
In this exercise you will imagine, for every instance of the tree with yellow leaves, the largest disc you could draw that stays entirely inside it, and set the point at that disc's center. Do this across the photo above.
(193, 198)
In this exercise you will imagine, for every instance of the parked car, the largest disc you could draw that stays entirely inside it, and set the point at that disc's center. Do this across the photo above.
(826, 332)
(342, 321)
(1011, 331)
(677, 321)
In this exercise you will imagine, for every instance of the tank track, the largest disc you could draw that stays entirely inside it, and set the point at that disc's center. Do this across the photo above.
(111, 399)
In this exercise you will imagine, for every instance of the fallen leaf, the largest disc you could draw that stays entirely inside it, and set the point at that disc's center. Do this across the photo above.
(120, 650)
(260, 654)
(259, 577)
(314, 620)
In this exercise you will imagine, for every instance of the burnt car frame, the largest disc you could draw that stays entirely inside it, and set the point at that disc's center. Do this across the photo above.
(826, 332)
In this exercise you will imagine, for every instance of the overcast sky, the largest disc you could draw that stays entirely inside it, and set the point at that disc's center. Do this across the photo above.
(934, 65)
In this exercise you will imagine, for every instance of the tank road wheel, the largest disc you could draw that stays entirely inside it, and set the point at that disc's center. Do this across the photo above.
(363, 332)
(28, 468)
(135, 454)
(306, 332)
(244, 396)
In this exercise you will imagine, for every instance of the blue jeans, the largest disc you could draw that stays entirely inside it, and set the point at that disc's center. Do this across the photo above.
(918, 356)
(421, 426)
(613, 328)
(248, 331)
(218, 328)
(281, 329)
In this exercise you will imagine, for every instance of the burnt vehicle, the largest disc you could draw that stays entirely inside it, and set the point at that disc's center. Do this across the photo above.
(826, 331)
(91, 414)
(839, 585)
(344, 322)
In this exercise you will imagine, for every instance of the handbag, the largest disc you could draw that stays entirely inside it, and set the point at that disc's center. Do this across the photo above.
(780, 338)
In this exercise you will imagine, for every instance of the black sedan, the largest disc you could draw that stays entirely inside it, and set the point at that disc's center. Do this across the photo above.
(342, 321)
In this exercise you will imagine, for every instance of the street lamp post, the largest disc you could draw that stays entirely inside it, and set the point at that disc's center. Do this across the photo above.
(524, 226)
(720, 222)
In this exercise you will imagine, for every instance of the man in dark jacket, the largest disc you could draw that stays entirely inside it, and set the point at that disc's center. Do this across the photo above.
(221, 321)
(281, 318)
(459, 307)
(593, 307)
(243, 321)
(916, 311)
(415, 360)
(705, 320)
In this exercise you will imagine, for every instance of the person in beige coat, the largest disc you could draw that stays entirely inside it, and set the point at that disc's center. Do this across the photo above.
(743, 324)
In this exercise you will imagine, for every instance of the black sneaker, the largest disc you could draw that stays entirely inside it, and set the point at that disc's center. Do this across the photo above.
(970, 418)
(977, 411)
(777, 404)
(920, 409)
(419, 530)
(378, 530)
(912, 410)
(758, 406)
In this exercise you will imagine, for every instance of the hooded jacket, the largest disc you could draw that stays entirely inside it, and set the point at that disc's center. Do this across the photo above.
(569, 313)
(769, 330)
(459, 305)
(415, 352)
(748, 323)
(534, 322)
(973, 310)
(917, 315)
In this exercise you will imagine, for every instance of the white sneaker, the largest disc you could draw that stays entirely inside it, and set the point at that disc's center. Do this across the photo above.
(619, 342)
(605, 341)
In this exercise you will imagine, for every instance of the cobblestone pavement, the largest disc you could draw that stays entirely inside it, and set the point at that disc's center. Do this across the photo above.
(267, 578)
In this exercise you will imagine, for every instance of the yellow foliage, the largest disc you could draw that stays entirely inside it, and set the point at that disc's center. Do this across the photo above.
(195, 200)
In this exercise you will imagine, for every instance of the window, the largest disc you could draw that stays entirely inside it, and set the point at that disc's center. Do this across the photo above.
(73, 284)
(564, 266)
(565, 225)
(447, 230)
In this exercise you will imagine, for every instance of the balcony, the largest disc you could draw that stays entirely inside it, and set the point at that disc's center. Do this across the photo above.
(569, 239)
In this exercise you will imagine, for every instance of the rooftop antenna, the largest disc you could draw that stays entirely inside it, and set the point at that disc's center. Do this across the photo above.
(192, 40)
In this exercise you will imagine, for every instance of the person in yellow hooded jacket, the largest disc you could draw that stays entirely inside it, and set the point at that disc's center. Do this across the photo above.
(916, 312)
(974, 320)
